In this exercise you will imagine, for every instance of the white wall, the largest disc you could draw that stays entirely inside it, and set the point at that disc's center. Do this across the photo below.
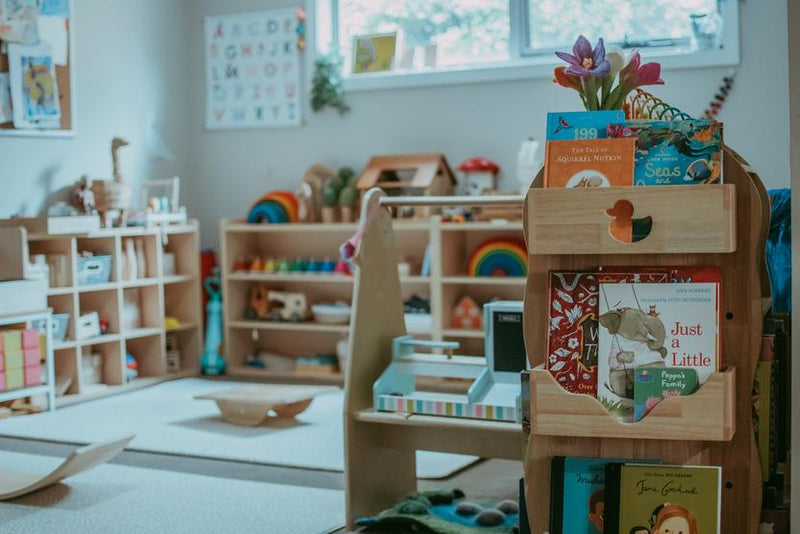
(130, 73)
(229, 169)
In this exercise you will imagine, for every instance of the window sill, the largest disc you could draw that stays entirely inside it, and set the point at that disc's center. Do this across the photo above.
(526, 69)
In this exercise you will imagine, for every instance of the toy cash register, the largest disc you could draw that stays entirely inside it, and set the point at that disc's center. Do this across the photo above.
(495, 389)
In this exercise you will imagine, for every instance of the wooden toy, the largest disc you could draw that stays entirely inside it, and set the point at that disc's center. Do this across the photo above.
(14, 484)
(288, 306)
(310, 192)
(411, 174)
(113, 195)
(493, 394)
(480, 176)
(258, 303)
(467, 314)
(253, 404)
(162, 198)
(499, 257)
(241, 265)
(274, 207)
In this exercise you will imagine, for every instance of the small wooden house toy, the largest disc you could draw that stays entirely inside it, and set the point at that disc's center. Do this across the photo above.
(480, 175)
(409, 175)
(467, 314)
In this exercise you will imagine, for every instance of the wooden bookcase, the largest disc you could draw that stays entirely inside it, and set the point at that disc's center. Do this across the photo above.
(721, 225)
(451, 245)
(178, 296)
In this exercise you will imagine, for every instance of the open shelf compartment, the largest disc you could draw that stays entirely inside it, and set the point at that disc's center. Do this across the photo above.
(685, 219)
(707, 415)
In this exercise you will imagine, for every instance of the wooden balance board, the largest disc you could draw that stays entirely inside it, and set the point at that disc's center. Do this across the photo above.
(253, 404)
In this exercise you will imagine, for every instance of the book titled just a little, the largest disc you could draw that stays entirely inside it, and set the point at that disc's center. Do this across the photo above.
(653, 326)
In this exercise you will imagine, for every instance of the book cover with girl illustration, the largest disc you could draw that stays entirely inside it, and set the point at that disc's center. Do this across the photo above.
(654, 499)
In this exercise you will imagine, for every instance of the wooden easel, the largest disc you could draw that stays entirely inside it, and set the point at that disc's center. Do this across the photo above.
(713, 426)
(380, 465)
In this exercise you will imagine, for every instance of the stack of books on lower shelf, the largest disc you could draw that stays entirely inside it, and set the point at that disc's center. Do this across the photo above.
(618, 496)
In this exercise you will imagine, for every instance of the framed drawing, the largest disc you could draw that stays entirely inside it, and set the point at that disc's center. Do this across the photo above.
(37, 68)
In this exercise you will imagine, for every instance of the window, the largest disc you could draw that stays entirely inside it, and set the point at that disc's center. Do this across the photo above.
(449, 41)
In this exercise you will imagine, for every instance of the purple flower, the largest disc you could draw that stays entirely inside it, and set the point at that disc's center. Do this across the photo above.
(585, 61)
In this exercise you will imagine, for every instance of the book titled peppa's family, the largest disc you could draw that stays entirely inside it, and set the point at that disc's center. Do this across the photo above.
(684, 152)
(653, 326)
(651, 386)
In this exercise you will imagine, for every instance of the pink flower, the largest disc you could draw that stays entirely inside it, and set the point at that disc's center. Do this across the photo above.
(634, 74)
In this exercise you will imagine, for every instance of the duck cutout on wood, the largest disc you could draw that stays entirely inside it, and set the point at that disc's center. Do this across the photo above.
(624, 227)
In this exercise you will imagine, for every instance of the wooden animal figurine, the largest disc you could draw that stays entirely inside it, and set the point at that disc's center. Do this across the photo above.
(83, 197)
(113, 195)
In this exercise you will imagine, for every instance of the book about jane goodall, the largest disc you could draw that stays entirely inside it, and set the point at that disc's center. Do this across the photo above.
(653, 326)
(656, 499)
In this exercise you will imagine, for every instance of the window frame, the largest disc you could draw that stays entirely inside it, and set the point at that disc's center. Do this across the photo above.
(523, 64)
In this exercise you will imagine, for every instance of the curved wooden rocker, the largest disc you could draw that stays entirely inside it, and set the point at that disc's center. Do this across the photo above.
(14, 484)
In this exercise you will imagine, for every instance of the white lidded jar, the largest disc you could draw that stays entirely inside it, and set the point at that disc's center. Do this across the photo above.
(528, 163)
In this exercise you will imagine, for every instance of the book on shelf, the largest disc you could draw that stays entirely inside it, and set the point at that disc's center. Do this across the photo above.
(566, 125)
(572, 322)
(653, 326)
(684, 152)
(577, 494)
(651, 386)
(589, 163)
(660, 499)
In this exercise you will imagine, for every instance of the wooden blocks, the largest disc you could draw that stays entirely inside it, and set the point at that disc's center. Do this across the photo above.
(675, 219)
(706, 415)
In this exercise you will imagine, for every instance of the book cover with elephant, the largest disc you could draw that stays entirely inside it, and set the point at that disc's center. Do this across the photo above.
(655, 499)
(572, 322)
(653, 326)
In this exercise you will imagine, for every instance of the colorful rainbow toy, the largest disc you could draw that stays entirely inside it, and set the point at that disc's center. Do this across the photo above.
(274, 207)
(499, 257)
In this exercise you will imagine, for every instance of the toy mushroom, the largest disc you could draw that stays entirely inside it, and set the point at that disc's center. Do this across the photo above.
(480, 175)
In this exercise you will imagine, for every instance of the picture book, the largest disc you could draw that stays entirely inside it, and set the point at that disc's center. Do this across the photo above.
(653, 326)
(650, 386)
(566, 125)
(577, 494)
(572, 323)
(589, 163)
(674, 152)
(656, 499)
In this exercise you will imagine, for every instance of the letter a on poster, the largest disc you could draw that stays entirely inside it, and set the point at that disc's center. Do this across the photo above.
(252, 70)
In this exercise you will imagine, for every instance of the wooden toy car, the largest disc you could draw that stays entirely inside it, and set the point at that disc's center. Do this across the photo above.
(285, 306)
(258, 307)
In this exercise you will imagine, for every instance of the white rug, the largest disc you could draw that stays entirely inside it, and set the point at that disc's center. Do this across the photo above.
(167, 419)
(121, 499)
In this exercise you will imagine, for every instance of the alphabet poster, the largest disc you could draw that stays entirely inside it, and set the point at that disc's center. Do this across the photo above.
(253, 70)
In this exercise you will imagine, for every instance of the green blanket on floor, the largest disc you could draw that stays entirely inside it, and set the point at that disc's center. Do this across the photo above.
(445, 512)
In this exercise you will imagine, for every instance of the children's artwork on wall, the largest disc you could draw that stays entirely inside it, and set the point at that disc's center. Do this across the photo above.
(253, 70)
(34, 87)
(373, 53)
(5, 98)
(37, 68)
(18, 21)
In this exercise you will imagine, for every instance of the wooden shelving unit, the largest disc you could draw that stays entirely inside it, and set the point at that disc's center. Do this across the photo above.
(451, 245)
(47, 389)
(722, 225)
(158, 296)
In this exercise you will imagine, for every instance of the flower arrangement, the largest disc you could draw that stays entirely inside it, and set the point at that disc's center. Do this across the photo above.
(593, 73)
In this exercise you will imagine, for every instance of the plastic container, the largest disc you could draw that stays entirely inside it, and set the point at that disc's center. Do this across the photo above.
(58, 327)
(94, 270)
